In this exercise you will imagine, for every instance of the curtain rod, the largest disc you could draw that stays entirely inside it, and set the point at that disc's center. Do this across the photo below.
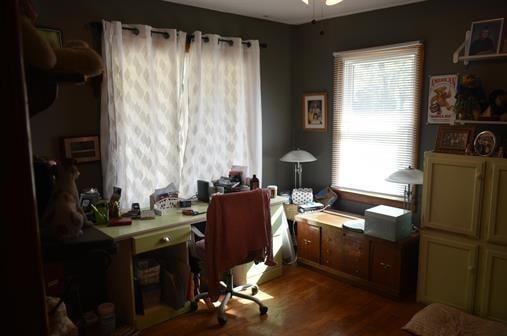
(191, 37)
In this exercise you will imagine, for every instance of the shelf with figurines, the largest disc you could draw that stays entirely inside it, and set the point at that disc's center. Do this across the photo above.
(461, 99)
(49, 63)
(482, 42)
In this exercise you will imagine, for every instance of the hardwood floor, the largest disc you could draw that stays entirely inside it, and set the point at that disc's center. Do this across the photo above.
(301, 302)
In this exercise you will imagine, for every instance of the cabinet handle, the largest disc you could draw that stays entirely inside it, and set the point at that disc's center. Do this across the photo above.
(478, 176)
(165, 239)
(307, 242)
(385, 266)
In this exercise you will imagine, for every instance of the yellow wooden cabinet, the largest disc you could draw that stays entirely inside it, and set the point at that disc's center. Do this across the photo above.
(492, 302)
(453, 192)
(447, 270)
(496, 204)
(463, 249)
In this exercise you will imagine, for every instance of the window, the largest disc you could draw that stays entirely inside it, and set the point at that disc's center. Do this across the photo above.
(376, 116)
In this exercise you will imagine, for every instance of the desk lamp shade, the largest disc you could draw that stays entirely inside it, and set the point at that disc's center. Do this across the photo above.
(408, 176)
(298, 156)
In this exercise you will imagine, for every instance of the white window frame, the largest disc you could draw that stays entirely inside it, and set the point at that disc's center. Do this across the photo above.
(417, 47)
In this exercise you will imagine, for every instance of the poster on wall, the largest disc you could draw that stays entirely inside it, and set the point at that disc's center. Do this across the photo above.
(441, 99)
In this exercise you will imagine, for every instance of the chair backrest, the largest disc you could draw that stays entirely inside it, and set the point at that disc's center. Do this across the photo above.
(238, 230)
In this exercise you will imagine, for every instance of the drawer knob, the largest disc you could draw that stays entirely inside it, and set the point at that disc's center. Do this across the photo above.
(386, 266)
(165, 239)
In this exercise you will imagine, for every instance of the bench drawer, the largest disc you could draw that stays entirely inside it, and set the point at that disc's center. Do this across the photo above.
(160, 239)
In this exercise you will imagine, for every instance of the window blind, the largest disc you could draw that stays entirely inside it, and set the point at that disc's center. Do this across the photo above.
(377, 94)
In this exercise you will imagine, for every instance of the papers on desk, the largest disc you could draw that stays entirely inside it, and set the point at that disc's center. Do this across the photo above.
(312, 206)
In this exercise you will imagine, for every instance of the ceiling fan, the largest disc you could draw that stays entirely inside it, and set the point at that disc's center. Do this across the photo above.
(328, 2)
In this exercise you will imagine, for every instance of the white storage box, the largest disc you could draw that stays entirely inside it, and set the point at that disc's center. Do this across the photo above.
(387, 222)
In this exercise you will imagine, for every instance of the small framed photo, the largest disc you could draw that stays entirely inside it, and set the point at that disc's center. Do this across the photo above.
(315, 111)
(53, 36)
(485, 143)
(454, 139)
(82, 149)
(485, 37)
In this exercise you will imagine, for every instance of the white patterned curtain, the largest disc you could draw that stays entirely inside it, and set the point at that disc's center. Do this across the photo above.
(140, 114)
(224, 110)
(170, 116)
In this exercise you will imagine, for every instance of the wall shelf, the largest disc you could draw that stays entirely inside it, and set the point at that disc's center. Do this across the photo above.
(465, 58)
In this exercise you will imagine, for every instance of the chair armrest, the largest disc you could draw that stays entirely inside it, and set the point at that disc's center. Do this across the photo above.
(197, 232)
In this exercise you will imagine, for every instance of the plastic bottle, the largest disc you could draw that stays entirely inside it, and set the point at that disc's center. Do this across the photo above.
(254, 182)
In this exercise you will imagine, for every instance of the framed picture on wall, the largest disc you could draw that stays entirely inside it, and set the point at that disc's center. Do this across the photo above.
(485, 37)
(441, 99)
(52, 35)
(315, 111)
(82, 149)
(454, 139)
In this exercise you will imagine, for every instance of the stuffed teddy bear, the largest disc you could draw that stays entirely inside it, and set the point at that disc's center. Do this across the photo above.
(64, 218)
(74, 57)
(497, 109)
(470, 98)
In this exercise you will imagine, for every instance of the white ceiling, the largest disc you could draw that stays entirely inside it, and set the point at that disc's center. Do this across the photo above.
(292, 11)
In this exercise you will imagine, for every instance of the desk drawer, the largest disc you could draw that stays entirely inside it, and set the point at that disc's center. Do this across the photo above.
(159, 239)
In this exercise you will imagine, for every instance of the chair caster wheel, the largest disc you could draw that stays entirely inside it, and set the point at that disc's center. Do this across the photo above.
(193, 306)
(263, 310)
(222, 320)
(255, 290)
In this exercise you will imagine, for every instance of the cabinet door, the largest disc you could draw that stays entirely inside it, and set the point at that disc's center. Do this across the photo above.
(452, 193)
(354, 254)
(496, 211)
(331, 246)
(385, 264)
(308, 237)
(493, 293)
(447, 271)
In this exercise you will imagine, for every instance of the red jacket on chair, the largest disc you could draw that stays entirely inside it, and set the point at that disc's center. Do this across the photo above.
(238, 230)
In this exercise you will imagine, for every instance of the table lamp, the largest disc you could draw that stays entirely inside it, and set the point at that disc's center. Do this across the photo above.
(298, 156)
(409, 176)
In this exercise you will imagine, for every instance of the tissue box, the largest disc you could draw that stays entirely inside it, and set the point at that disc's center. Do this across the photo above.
(387, 222)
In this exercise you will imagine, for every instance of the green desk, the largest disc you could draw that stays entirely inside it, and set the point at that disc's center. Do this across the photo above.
(172, 231)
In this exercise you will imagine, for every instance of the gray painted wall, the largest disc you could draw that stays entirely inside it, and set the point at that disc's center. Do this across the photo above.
(76, 111)
(298, 59)
(441, 24)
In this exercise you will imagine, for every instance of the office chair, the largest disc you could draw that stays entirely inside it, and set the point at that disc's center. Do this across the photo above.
(246, 218)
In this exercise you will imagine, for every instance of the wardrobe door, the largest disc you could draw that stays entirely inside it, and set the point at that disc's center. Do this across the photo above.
(493, 291)
(452, 193)
(447, 271)
(496, 210)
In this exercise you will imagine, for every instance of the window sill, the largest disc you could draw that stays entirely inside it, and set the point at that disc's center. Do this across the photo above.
(368, 198)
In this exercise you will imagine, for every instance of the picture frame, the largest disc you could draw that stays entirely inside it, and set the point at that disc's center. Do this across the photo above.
(82, 149)
(485, 37)
(442, 98)
(485, 143)
(315, 111)
(52, 35)
(454, 139)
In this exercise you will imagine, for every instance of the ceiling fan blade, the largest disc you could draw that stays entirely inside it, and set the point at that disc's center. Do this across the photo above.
(332, 2)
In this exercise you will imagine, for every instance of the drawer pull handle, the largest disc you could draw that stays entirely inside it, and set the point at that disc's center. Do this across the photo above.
(386, 266)
(307, 242)
(165, 239)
